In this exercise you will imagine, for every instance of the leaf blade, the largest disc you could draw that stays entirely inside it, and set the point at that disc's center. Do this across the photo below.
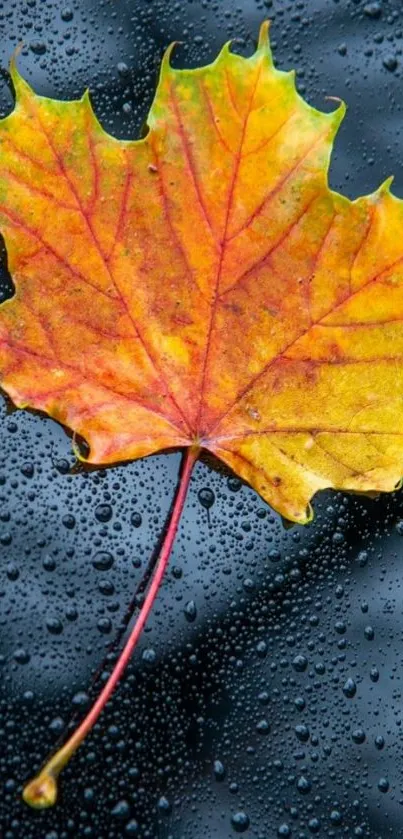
(204, 285)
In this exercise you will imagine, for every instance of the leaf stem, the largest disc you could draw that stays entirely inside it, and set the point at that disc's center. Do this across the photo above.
(42, 790)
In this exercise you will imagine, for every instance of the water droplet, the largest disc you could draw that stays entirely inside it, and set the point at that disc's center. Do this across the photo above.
(302, 732)
(190, 611)
(304, 785)
(362, 558)
(336, 818)
(103, 512)
(263, 727)
(164, 805)
(219, 770)
(373, 10)
(106, 587)
(349, 688)
(80, 699)
(12, 571)
(21, 656)
(261, 649)
(67, 14)
(300, 663)
(149, 656)
(28, 470)
(254, 413)
(383, 784)
(62, 466)
(38, 47)
(206, 497)
(71, 613)
(54, 626)
(122, 69)
(49, 563)
(57, 725)
(240, 821)
(234, 484)
(358, 736)
(104, 625)
(390, 63)
(102, 560)
(132, 828)
(121, 810)
(379, 742)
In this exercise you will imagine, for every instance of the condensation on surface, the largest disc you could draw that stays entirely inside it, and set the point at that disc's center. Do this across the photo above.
(265, 696)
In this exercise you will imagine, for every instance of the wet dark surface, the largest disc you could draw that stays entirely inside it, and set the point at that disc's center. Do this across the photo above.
(266, 695)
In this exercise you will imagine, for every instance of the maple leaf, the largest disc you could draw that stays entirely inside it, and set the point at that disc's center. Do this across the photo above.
(203, 287)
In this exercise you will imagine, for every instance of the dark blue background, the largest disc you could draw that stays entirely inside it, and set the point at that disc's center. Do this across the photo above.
(252, 673)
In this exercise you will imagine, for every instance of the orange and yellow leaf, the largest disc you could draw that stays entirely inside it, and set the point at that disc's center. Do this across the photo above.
(203, 286)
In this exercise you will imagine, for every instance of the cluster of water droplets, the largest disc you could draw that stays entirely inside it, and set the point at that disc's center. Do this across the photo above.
(265, 697)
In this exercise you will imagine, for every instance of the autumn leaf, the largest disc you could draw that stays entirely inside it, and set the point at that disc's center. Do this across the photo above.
(203, 288)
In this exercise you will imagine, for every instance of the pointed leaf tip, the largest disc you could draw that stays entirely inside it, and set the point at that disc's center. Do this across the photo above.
(19, 83)
(339, 113)
(309, 514)
(79, 448)
(86, 97)
(264, 37)
(302, 517)
(386, 185)
(263, 45)
(13, 70)
(17, 52)
(382, 190)
(166, 58)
